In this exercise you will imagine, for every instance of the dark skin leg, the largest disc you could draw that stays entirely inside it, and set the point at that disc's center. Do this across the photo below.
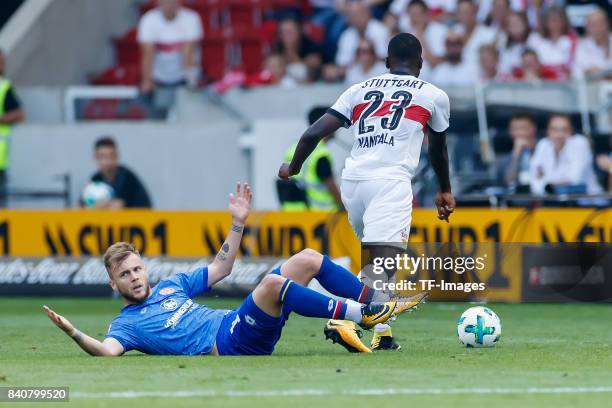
(370, 252)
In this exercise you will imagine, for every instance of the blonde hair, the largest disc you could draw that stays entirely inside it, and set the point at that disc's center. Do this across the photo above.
(117, 253)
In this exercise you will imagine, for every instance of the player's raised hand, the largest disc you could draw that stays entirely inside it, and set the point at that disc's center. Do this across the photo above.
(60, 321)
(240, 203)
(283, 172)
(445, 203)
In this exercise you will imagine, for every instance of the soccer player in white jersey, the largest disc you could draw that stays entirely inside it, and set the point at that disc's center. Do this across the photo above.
(389, 115)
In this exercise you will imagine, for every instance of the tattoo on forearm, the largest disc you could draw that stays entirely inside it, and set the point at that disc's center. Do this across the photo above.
(222, 255)
(237, 228)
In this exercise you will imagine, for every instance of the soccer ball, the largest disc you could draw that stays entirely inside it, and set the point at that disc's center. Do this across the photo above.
(96, 192)
(479, 327)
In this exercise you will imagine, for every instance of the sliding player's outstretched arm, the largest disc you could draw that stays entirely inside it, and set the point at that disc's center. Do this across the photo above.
(108, 347)
(239, 207)
(438, 156)
(325, 126)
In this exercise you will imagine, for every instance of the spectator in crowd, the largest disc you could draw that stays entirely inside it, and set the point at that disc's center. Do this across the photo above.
(475, 35)
(366, 64)
(302, 56)
(562, 159)
(276, 67)
(169, 36)
(514, 169)
(498, 15)
(438, 8)
(11, 113)
(454, 71)
(578, 11)
(604, 163)
(391, 21)
(361, 25)
(489, 62)
(431, 34)
(328, 14)
(128, 190)
(532, 70)
(513, 42)
(554, 44)
(594, 53)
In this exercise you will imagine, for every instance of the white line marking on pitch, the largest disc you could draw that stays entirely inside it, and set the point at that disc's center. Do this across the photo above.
(322, 392)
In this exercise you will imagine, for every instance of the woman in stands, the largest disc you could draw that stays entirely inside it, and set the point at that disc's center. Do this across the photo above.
(302, 55)
(513, 41)
(555, 44)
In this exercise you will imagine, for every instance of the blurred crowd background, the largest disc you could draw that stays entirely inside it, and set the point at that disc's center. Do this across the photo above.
(237, 79)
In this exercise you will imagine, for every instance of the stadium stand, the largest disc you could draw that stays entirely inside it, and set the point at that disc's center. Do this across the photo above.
(242, 49)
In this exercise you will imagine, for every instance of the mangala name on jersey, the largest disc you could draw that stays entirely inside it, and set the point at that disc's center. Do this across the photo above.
(370, 141)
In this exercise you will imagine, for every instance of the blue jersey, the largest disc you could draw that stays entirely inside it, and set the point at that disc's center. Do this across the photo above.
(169, 321)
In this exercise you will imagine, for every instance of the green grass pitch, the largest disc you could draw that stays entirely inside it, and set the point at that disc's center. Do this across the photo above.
(550, 355)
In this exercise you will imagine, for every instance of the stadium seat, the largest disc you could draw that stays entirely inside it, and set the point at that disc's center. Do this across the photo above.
(281, 4)
(127, 50)
(268, 31)
(252, 54)
(214, 14)
(214, 57)
(246, 14)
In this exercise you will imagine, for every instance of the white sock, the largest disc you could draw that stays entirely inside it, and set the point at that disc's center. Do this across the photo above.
(382, 327)
(353, 311)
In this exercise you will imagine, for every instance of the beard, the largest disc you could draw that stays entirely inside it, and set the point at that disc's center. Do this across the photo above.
(134, 300)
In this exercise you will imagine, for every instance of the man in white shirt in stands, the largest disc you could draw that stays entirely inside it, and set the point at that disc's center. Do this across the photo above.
(476, 35)
(361, 24)
(562, 158)
(437, 7)
(416, 20)
(366, 66)
(594, 52)
(454, 71)
(169, 36)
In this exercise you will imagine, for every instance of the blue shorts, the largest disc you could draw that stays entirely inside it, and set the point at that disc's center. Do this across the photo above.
(248, 330)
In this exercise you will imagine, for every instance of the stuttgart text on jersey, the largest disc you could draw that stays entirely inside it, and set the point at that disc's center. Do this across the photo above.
(383, 83)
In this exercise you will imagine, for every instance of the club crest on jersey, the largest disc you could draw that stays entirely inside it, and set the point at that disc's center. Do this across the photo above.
(166, 291)
(169, 304)
(371, 141)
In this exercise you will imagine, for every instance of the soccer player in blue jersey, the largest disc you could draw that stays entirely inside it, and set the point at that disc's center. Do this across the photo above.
(165, 319)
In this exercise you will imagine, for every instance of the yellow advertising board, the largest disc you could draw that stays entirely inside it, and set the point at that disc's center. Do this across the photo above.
(195, 234)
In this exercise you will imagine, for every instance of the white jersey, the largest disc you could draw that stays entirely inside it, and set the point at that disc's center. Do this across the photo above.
(388, 114)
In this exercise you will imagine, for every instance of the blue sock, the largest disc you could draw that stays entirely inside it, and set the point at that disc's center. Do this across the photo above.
(341, 282)
(307, 302)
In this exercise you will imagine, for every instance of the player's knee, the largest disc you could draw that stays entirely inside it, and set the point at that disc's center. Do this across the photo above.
(311, 259)
(271, 284)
